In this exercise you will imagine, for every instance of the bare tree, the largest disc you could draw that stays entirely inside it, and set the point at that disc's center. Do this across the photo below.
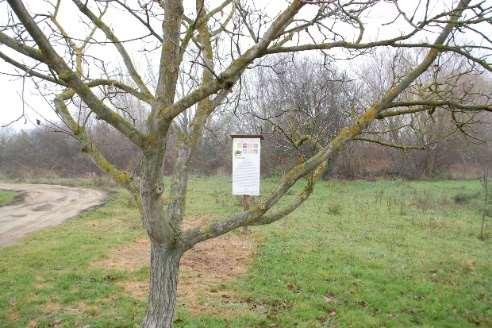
(299, 104)
(203, 50)
(439, 136)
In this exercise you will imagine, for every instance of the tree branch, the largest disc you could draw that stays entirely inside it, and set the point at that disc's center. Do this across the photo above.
(55, 62)
(30, 71)
(186, 144)
(424, 104)
(21, 48)
(119, 46)
(228, 77)
(121, 177)
(319, 160)
(391, 145)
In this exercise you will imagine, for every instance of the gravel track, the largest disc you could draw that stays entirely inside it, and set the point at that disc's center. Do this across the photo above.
(42, 206)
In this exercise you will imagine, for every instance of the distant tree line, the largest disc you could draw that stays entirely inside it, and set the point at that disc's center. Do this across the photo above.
(297, 104)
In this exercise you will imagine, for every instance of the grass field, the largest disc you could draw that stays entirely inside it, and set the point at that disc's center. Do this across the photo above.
(6, 197)
(357, 254)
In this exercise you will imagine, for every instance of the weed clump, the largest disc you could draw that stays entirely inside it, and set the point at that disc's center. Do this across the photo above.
(334, 209)
(465, 198)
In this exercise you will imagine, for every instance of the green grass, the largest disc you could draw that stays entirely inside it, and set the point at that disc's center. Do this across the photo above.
(357, 254)
(6, 197)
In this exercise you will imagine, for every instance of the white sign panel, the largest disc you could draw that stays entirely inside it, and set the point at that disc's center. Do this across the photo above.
(246, 166)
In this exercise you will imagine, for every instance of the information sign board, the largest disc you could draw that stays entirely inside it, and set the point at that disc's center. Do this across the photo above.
(246, 165)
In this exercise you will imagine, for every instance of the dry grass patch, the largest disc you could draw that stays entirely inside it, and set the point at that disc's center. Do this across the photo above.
(52, 307)
(204, 269)
(32, 324)
(13, 313)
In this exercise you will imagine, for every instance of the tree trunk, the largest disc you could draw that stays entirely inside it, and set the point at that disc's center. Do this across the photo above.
(164, 269)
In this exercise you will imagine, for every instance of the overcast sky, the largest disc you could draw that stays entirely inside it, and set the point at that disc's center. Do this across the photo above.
(36, 107)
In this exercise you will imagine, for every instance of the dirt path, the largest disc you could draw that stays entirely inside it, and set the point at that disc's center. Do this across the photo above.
(205, 270)
(42, 206)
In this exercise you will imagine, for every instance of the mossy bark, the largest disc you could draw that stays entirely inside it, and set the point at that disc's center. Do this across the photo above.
(164, 270)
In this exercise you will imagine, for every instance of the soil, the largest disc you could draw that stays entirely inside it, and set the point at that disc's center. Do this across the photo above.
(205, 270)
(42, 206)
